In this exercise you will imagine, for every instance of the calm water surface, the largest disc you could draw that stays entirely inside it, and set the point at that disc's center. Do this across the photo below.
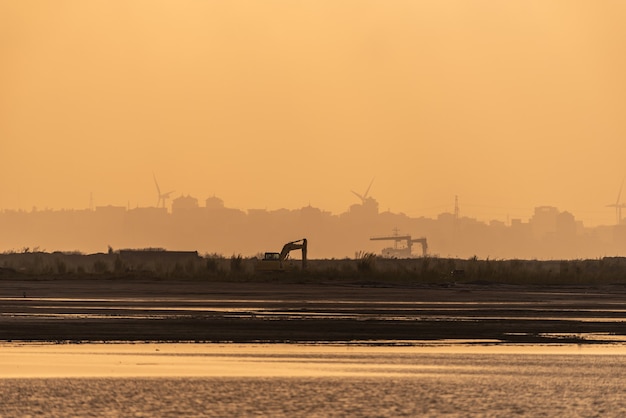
(311, 380)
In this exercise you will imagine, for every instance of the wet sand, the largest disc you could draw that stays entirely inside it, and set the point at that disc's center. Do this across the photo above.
(143, 309)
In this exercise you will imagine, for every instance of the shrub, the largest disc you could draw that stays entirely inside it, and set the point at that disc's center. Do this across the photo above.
(61, 266)
(366, 262)
(100, 266)
(212, 265)
(118, 265)
(236, 263)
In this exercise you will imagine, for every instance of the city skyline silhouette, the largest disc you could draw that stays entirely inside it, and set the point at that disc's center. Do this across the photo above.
(211, 227)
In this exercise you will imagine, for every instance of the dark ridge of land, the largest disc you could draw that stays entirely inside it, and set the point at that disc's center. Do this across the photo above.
(429, 269)
(143, 308)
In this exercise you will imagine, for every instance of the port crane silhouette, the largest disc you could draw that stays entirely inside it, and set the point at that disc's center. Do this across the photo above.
(402, 252)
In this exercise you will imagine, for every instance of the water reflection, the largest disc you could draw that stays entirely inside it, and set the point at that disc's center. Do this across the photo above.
(156, 308)
(227, 360)
(311, 380)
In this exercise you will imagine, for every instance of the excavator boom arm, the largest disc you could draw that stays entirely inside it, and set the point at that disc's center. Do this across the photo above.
(293, 245)
(300, 244)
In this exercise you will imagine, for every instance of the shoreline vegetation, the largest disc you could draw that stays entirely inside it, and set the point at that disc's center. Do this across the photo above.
(184, 297)
(161, 264)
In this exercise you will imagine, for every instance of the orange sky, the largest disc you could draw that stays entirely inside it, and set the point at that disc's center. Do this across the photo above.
(269, 104)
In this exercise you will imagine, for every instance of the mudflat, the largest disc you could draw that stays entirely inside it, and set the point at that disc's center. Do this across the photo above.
(94, 308)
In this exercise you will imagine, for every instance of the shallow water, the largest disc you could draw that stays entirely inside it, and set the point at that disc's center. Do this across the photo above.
(311, 380)
(158, 308)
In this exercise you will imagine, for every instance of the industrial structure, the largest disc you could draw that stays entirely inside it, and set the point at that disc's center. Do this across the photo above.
(405, 251)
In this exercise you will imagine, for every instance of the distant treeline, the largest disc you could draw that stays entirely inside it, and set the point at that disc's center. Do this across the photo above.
(366, 267)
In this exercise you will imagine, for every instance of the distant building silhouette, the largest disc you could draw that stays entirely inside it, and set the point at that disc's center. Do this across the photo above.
(214, 203)
(184, 203)
(543, 222)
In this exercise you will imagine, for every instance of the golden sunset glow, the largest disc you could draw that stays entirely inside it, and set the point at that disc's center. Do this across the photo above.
(312, 208)
(509, 105)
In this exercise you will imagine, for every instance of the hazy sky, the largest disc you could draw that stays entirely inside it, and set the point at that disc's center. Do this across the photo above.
(269, 104)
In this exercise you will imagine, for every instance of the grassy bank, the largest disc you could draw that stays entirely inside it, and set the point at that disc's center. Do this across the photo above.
(366, 268)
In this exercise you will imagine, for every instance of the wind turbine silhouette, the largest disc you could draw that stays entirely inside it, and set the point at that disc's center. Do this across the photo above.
(162, 196)
(617, 205)
(363, 197)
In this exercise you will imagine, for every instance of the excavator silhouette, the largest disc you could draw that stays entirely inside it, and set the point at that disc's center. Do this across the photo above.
(278, 262)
